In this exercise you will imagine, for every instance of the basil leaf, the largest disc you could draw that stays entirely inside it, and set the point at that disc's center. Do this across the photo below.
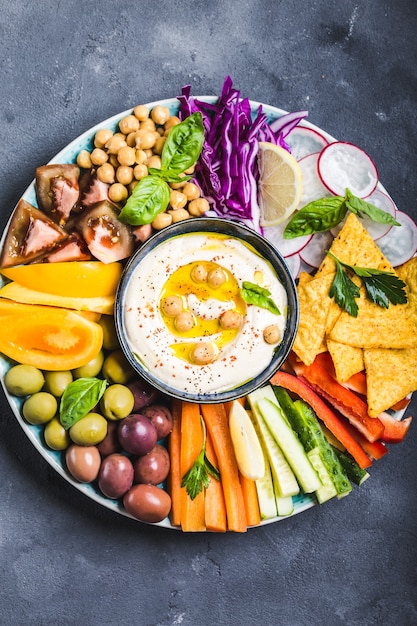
(259, 296)
(360, 207)
(168, 176)
(149, 197)
(183, 144)
(79, 398)
(316, 216)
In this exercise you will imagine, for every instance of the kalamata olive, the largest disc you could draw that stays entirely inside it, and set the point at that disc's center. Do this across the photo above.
(143, 393)
(110, 443)
(147, 503)
(161, 417)
(137, 434)
(116, 475)
(83, 462)
(152, 468)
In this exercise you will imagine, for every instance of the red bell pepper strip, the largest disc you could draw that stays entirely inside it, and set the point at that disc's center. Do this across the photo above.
(343, 400)
(401, 404)
(376, 449)
(394, 430)
(357, 383)
(327, 416)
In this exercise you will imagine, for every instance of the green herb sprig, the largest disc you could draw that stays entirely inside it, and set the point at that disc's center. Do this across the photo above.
(151, 195)
(259, 296)
(326, 213)
(381, 287)
(201, 470)
(79, 397)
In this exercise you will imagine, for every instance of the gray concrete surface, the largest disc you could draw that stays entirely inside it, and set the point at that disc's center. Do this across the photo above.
(65, 66)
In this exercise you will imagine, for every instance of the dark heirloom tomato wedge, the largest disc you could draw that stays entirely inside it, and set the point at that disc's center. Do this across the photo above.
(107, 239)
(57, 190)
(72, 249)
(92, 190)
(30, 235)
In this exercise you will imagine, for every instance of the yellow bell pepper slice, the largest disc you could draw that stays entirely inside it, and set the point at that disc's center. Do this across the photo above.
(48, 338)
(76, 279)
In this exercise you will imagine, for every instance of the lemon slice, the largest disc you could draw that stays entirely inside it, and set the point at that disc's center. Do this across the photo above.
(247, 447)
(280, 184)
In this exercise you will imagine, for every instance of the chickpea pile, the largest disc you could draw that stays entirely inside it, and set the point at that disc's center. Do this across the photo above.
(121, 159)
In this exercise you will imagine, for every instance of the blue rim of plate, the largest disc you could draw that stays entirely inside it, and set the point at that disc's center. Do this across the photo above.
(56, 460)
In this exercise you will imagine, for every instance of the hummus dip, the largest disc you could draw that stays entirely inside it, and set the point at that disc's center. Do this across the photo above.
(189, 321)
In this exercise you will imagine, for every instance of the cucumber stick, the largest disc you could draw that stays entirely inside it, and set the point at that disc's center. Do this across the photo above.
(265, 485)
(304, 421)
(284, 479)
(327, 489)
(285, 506)
(355, 473)
(289, 443)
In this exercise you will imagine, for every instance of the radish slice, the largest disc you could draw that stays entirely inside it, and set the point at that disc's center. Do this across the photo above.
(313, 188)
(286, 247)
(315, 251)
(375, 229)
(343, 165)
(304, 141)
(400, 243)
(293, 263)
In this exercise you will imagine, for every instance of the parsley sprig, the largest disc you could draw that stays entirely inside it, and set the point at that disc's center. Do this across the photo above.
(381, 287)
(199, 473)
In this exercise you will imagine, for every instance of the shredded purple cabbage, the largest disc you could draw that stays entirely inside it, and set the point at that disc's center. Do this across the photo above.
(226, 170)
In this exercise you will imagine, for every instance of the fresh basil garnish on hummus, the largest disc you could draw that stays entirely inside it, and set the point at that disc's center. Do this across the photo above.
(259, 296)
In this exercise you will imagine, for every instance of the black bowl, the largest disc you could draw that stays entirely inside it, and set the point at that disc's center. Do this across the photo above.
(266, 250)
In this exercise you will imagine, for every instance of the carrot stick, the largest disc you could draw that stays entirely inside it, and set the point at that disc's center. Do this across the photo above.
(215, 418)
(250, 498)
(192, 511)
(215, 508)
(174, 477)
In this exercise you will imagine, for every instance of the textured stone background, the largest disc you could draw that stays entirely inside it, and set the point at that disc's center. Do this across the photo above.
(66, 66)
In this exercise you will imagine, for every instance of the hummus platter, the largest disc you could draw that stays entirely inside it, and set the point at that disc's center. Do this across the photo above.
(186, 351)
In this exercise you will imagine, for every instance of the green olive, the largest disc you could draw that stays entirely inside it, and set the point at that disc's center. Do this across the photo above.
(57, 382)
(40, 408)
(116, 368)
(55, 435)
(110, 341)
(117, 402)
(89, 430)
(23, 380)
(90, 369)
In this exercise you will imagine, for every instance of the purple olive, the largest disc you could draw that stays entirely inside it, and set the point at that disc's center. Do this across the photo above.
(152, 468)
(137, 434)
(110, 443)
(116, 475)
(160, 417)
(143, 393)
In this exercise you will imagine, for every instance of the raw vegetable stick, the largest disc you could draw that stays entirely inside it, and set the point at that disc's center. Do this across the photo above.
(192, 511)
(215, 418)
(250, 497)
(215, 508)
(174, 477)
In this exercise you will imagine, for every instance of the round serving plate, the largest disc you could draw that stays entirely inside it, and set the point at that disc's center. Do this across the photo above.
(55, 459)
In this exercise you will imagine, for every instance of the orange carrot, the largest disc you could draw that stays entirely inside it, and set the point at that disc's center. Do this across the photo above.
(250, 498)
(215, 508)
(192, 511)
(174, 477)
(215, 418)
